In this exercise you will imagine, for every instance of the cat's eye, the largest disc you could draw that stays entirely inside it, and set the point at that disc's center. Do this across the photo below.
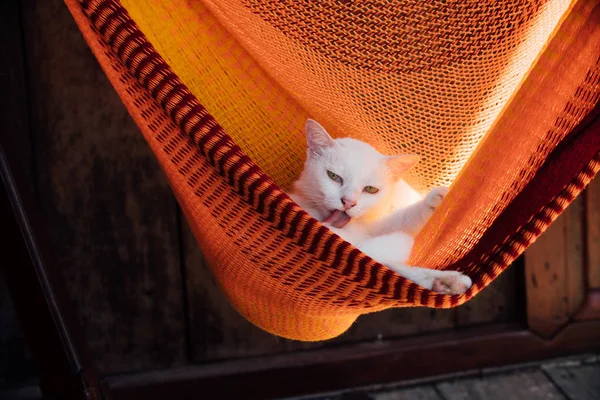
(334, 176)
(371, 189)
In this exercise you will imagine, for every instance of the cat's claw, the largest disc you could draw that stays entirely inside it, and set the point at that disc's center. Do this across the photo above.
(451, 284)
(435, 197)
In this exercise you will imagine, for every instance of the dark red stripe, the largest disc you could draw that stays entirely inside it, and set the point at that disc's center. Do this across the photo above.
(295, 222)
(149, 59)
(177, 89)
(588, 172)
(425, 296)
(553, 206)
(373, 276)
(532, 229)
(194, 110)
(283, 215)
(244, 177)
(412, 290)
(185, 101)
(94, 15)
(492, 274)
(578, 185)
(212, 153)
(385, 282)
(135, 35)
(273, 206)
(252, 189)
(512, 252)
(169, 78)
(398, 289)
(545, 219)
(362, 266)
(262, 197)
(235, 168)
(519, 238)
(326, 248)
(439, 300)
(204, 139)
(312, 249)
(339, 253)
(306, 231)
(198, 125)
(109, 19)
(223, 160)
(118, 30)
(454, 299)
(85, 4)
(351, 261)
(157, 68)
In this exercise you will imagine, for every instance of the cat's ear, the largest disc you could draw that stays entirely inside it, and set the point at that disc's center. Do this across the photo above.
(401, 163)
(317, 137)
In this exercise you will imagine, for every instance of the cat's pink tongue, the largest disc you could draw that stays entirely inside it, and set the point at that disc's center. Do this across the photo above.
(337, 218)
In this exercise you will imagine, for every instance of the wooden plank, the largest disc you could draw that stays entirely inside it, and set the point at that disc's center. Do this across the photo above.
(545, 265)
(554, 271)
(593, 233)
(577, 382)
(394, 323)
(113, 218)
(497, 303)
(574, 249)
(15, 359)
(362, 364)
(521, 385)
(418, 393)
(591, 307)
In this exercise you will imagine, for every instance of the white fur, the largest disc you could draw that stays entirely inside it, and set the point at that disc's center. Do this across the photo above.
(382, 224)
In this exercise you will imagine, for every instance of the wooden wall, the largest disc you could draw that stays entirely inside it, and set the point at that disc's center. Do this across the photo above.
(563, 267)
(145, 296)
(15, 361)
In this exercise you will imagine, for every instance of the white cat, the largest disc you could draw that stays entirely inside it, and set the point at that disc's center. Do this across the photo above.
(358, 193)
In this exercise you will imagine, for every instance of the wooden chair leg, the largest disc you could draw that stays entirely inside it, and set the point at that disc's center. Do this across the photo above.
(41, 304)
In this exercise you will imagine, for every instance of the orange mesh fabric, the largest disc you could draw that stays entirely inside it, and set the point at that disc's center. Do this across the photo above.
(428, 77)
(282, 269)
(442, 81)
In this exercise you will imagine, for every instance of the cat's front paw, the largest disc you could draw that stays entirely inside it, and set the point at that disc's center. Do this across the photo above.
(456, 284)
(435, 197)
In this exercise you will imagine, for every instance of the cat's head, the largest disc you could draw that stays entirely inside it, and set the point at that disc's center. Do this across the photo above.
(347, 177)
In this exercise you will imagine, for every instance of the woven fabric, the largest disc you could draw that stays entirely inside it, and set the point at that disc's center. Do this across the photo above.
(257, 76)
(407, 76)
(282, 269)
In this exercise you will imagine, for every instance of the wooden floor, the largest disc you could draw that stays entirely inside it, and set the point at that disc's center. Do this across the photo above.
(575, 378)
(572, 379)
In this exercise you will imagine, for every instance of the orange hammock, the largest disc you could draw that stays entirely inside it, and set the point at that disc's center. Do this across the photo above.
(499, 98)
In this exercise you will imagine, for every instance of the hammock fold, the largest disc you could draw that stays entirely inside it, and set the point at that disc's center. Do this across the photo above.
(501, 99)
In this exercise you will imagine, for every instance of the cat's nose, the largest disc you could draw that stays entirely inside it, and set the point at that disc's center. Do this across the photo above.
(348, 204)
